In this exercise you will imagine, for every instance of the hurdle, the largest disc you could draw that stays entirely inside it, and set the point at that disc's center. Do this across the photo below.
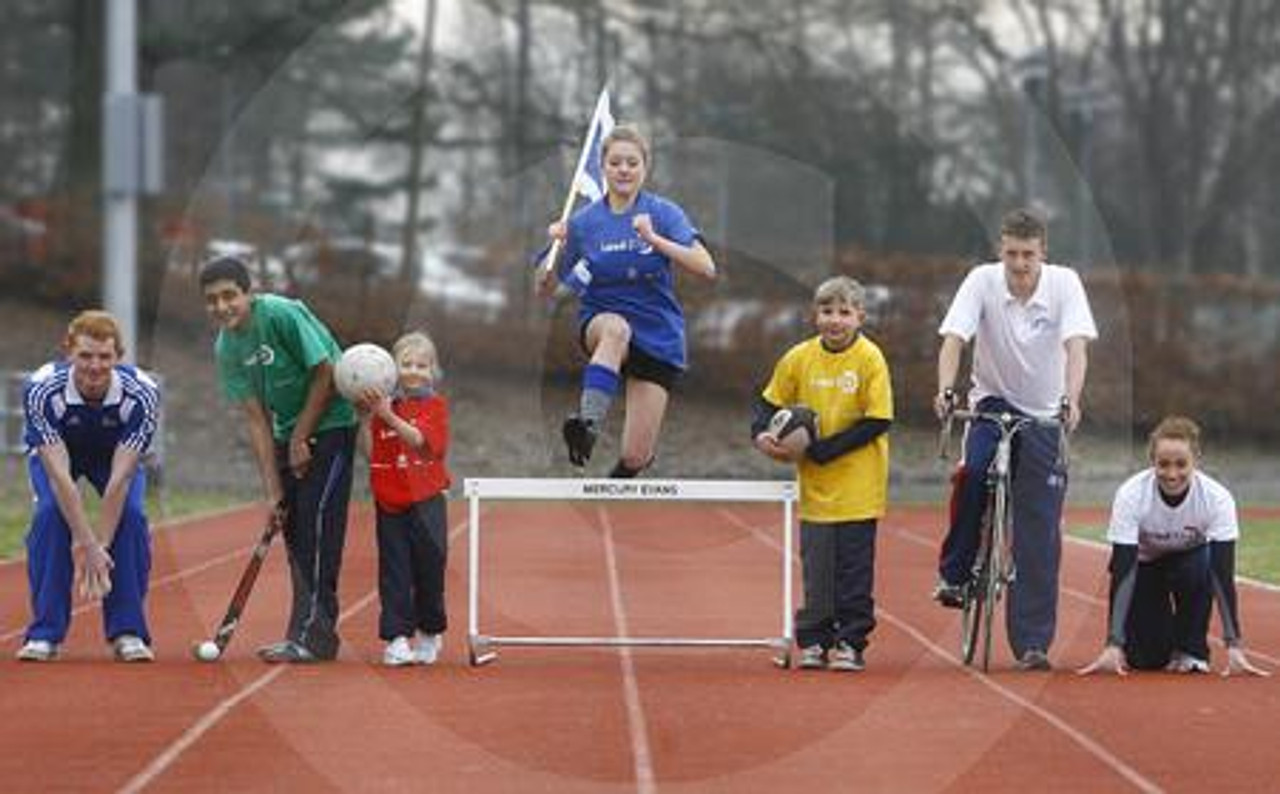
(482, 647)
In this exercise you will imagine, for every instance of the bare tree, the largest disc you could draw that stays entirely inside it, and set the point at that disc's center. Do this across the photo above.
(1198, 83)
(410, 252)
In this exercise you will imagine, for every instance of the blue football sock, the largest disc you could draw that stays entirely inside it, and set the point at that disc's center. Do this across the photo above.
(599, 386)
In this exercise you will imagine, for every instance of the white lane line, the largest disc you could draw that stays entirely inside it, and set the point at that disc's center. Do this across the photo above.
(1092, 600)
(640, 753)
(166, 524)
(193, 734)
(157, 583)
(1140, 781)
(1079, 737)
(211, 718)
(1093, 545)
(1098, 545)
(158, 765)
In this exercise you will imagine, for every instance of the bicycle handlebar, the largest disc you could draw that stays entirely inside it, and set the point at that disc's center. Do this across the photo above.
(1004, 418)
(1007, 421)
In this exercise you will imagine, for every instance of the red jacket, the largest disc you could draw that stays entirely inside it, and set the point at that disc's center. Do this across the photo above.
(399, 474)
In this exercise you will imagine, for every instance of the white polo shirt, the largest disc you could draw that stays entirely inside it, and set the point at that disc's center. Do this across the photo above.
(1018, 351)
(1139, 516)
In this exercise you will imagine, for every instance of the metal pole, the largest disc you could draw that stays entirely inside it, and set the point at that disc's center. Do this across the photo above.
(473, 568)
(228, 156)
(1032, 75)
(1083, 203)
(788, 540)
(1031, 160)
(120, 144)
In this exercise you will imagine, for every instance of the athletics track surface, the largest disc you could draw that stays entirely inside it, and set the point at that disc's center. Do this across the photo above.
(612, 720)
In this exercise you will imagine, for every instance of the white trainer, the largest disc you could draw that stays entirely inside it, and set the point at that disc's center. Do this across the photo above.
(813, 657)
(37, 651)
(1186, 663)
(428, 650)
(845, 658)
(131, 648)
(398, 653)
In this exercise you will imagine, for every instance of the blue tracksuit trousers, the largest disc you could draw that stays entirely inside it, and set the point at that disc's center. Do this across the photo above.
(1037, 495)
(50, 568)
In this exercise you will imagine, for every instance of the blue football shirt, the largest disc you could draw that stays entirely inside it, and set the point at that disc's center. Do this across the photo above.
(614, 270)
(56, 411)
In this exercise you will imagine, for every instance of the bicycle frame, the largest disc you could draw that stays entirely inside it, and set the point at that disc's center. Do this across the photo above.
(993, 568)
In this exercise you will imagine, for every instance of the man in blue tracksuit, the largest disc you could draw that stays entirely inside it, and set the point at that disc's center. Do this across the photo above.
(89, 416)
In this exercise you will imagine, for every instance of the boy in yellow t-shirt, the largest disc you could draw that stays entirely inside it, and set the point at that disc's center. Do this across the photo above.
(844, 474)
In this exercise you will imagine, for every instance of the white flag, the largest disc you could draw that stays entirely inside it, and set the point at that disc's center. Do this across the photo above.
(587, 179)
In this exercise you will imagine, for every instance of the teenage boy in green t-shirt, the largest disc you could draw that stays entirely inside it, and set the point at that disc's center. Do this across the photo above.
(275, 359)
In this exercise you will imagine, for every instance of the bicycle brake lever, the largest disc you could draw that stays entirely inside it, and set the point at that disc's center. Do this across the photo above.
(944, 438)
(1064, 409)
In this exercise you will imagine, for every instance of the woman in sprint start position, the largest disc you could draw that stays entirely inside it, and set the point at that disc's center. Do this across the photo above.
(1173, 537)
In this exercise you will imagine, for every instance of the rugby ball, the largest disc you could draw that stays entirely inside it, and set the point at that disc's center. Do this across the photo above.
(794, 428)
(362, 367)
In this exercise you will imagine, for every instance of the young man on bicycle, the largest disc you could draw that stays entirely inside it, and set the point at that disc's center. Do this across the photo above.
(1030, 324)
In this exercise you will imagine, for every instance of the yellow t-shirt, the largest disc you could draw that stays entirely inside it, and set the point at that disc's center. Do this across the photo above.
(842, 388)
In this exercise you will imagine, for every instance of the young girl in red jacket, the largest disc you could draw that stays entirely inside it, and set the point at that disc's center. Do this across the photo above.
(406, 434)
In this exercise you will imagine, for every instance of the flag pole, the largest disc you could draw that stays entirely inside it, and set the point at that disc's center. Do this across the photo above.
(553, 253)
(597, 118)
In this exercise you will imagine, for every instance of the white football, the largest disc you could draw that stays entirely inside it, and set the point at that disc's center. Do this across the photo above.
(364, 366)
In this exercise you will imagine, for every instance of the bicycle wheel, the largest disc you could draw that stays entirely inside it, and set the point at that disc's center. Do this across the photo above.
(975, 597)
(975, 593)
(990, 586)
(993, 581)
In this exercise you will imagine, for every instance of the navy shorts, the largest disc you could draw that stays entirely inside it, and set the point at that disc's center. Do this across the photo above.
(641, 366)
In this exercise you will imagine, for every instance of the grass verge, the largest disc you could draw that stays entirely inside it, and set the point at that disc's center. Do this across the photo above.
(1257, 554)
(15, 510)
(1257, 551)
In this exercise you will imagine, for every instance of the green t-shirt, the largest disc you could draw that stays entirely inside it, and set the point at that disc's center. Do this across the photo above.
(272, 359)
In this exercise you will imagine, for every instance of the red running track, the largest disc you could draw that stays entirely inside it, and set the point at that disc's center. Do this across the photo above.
(645, 720)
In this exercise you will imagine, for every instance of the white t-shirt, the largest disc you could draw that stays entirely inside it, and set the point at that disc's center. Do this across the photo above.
(1018, 351)
(1140, 516)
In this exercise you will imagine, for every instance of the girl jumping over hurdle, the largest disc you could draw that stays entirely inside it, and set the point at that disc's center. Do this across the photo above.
(621, 254)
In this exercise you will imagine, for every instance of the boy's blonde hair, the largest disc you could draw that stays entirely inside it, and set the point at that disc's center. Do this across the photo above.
(418, 341)
(1175, 428)
(840, 289)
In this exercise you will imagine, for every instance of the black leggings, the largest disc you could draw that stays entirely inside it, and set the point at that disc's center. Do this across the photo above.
(413, 551)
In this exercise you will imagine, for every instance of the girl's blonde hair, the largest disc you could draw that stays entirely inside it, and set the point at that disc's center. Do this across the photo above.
(421, 342)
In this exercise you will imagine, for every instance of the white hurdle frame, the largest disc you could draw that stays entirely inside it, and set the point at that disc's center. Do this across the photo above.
(481, 646)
